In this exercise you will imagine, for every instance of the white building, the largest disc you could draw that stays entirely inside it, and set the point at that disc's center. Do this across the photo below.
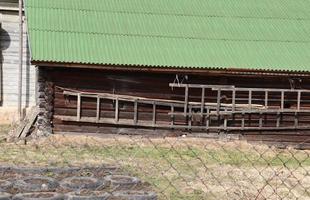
(9, 64)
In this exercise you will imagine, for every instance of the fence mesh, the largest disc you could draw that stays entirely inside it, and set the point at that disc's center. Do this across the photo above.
(137, 167)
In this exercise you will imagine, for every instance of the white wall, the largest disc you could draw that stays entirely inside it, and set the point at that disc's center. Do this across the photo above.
(9, 43)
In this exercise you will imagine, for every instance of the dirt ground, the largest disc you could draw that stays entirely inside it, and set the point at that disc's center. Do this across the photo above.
(8, 115)
(179, 168)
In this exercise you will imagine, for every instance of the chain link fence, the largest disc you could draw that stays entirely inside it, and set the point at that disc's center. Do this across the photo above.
(137, 167)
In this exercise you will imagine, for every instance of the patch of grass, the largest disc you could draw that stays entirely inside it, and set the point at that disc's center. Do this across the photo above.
(4, 130)
(177, 169)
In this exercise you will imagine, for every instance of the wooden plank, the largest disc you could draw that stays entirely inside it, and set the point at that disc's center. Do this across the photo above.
(167, 125)
(24, 126)
(30, 120)
(159, 102)
(199, 86)
(262, 90)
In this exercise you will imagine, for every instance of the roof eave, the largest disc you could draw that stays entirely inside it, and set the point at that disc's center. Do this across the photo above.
(173, 69)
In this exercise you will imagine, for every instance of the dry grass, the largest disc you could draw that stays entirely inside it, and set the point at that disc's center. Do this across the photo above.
(179, 168)
(4, 130)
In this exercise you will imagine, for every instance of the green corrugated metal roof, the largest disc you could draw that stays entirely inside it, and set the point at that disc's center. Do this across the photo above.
(241, 34)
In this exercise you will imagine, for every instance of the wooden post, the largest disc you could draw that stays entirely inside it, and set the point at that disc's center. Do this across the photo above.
(78, 106)
(202, 108)
(218, 107)
(98, 109)
(190, 118)
(233, 100)
(202, 101)
(208, 119)
(266, 99)
(116, 110)
(250, 99)
(242, 121)
(296, 120)
(298, 100)
(225, 120)
(278, 120)
(172, 116)
(186, 100)
(135, 120)
(154, 114)
(20, 62)
(282, 100)
(260, 120)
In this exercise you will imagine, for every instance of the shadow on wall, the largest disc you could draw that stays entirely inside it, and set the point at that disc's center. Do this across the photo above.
(5, 41)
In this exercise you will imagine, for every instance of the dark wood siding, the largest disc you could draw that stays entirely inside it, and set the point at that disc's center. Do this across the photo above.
(151, 85)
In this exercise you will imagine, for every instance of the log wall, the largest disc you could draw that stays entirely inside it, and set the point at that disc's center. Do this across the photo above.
(156, 85)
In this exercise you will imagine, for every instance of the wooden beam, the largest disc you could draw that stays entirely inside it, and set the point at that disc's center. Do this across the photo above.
(199, 86)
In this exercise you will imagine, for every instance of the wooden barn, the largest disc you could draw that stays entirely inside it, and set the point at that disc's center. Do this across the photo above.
(193, 66)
